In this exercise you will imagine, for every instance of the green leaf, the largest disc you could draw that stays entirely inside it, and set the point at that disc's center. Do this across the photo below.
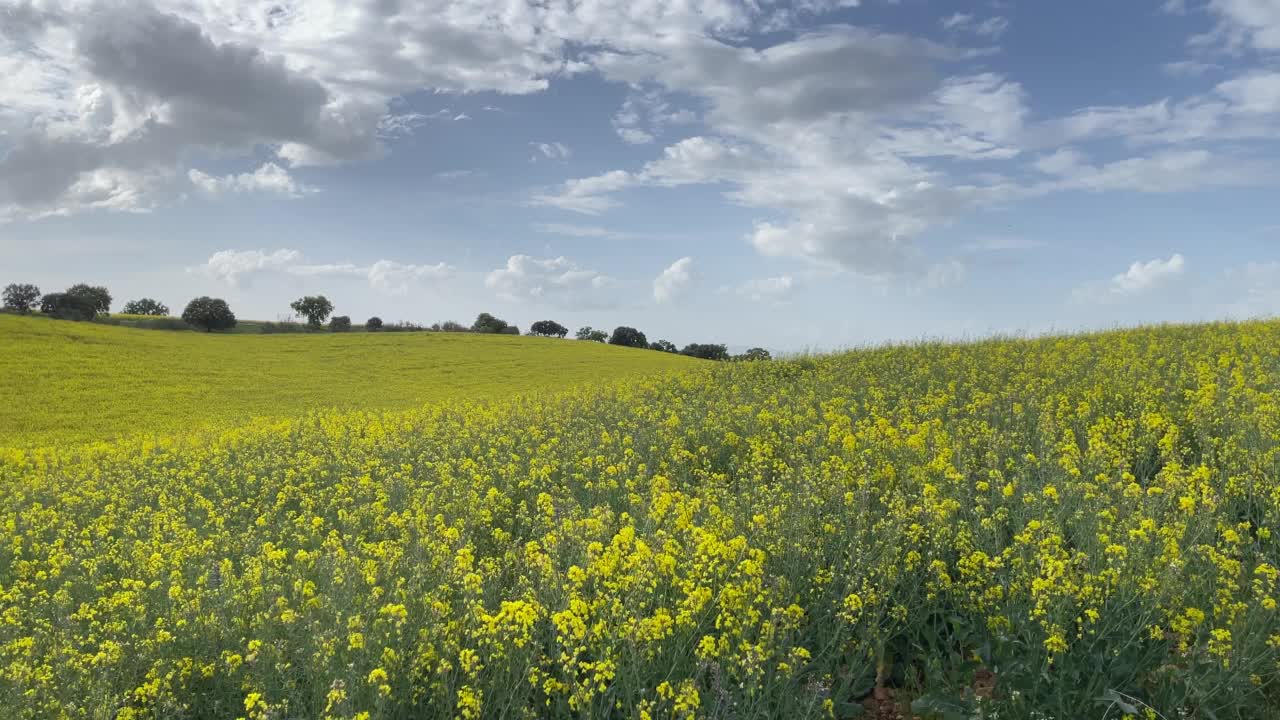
(850, 709)
(1111, 697)
(937, 706)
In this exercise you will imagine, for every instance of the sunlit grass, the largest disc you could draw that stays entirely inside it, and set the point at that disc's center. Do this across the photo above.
(65, 381)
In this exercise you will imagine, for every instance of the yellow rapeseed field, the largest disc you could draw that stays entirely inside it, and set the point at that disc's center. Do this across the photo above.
(1077, 527)
(65, 381)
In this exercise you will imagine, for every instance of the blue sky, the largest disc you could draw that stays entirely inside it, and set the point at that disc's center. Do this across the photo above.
(798, 176)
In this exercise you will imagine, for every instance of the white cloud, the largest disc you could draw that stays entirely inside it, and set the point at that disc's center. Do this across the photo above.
(943, 274)
(99, 90)
(229, 265)
(589, 195)
(269, 178)
(771, 289)
(1251, 290)
(1188, 68)
(1253, 23)
(1162, 171)
(806, 129)
(387, 276)
(457, 174)
(992, 27)
(1256, 92)
(583, 231)
(394, 278)
(401, 124)
(1002, 244)
(634, 136)
(645, 115)
(1144, 276)
(553, 281)
(550, 151)
(672, 282)
(1139, 279)
(839, 138)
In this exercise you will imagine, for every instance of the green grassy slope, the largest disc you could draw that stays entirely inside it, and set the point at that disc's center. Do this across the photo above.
(79, 382)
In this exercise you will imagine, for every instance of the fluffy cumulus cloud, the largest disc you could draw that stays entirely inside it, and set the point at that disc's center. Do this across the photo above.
(387, 276)
(1141, 277)
(104, 103)
(844, 138)
(821, 130)
(672, 282)
(551, 281)
(270, 178)
(229, 266)
(1144, 276)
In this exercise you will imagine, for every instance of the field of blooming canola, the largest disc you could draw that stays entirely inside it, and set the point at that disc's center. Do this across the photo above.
(1078, 527)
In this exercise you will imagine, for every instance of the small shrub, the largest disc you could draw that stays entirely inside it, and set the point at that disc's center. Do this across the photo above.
(143, 322)
(373, 324)
(276, 328)
(340, 323)
(406, 327)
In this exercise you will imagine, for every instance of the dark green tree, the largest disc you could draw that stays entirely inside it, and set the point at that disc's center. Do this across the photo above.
(706, 351)
(65, 306)
(145, 306)
(486, 323)
(373, 324)
(588, 333)
(315, 308)
(209, 314)
(340, 323)
(755, 353)
(663, 346)
(21, 297)
(628, 337)
(548, 328)
(95, 294)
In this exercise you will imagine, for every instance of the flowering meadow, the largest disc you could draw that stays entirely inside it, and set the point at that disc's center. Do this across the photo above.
(1074, 527)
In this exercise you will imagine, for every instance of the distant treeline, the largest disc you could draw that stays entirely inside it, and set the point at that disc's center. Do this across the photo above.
(84, 302)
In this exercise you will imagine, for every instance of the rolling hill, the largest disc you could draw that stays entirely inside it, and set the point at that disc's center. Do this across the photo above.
(69, 382)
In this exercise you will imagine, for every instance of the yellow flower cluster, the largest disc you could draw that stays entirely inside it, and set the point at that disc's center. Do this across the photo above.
(1043, 527)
